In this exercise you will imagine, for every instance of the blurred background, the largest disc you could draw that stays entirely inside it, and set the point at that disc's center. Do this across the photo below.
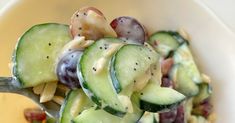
(224, 9)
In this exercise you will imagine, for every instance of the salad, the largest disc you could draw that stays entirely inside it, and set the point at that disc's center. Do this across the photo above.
(101, 72)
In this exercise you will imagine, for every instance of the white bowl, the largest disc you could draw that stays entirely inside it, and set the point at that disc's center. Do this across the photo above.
(213, 44)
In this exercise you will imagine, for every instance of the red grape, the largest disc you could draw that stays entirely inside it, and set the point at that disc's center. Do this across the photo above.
(168, 117)
(129, 29)
(67, 69)
(180, 115)
(34, 115)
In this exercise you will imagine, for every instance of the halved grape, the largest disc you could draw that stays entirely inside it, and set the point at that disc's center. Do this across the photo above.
(180, 115)
(168, 117)
(34, 115)
(173, 116)
(67, 69)
(204, 108)
(129, 29)
(166, 82)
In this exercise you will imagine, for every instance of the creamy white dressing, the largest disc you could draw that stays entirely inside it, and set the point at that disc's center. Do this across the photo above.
(142, 80)
(149, 46)
(100, 63)
(126, 102)
(112, 48)
(78, 43)
(156, 73)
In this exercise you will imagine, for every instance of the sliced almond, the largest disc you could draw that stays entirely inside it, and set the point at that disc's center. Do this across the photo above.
(58, 99)
(78, 43)
(63, 88)
(38, 89)
(48, 92)
(112, 48)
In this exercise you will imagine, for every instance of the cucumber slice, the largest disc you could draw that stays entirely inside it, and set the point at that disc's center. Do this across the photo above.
(98, 86)
(156, 99)
(156, 73)
(129, 63)
(184, 56)
(164, 42)
(178, 37)
(205, 91)
(76, 101)
(148, 118)
(36, 53)
(94, 115)
(183, 83)
(136, 114)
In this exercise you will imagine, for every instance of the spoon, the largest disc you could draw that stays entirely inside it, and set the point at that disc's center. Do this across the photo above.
(7, 85)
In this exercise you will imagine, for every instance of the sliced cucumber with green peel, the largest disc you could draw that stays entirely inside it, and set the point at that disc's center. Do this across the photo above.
(183, 83)
(184, 56)
(205, 91)
(36, 53)
(157, 99)
(94, 115)
(178, 37)
(163, 42)
(75, 102)
(98, 85)
(130, 62)
(136, 114)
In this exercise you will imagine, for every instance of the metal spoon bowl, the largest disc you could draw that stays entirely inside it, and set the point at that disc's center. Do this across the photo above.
(7, 85)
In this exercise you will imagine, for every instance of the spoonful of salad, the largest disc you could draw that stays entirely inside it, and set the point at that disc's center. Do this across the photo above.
(47, 54)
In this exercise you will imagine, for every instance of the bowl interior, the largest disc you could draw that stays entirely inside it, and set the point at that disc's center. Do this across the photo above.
(212, 43)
